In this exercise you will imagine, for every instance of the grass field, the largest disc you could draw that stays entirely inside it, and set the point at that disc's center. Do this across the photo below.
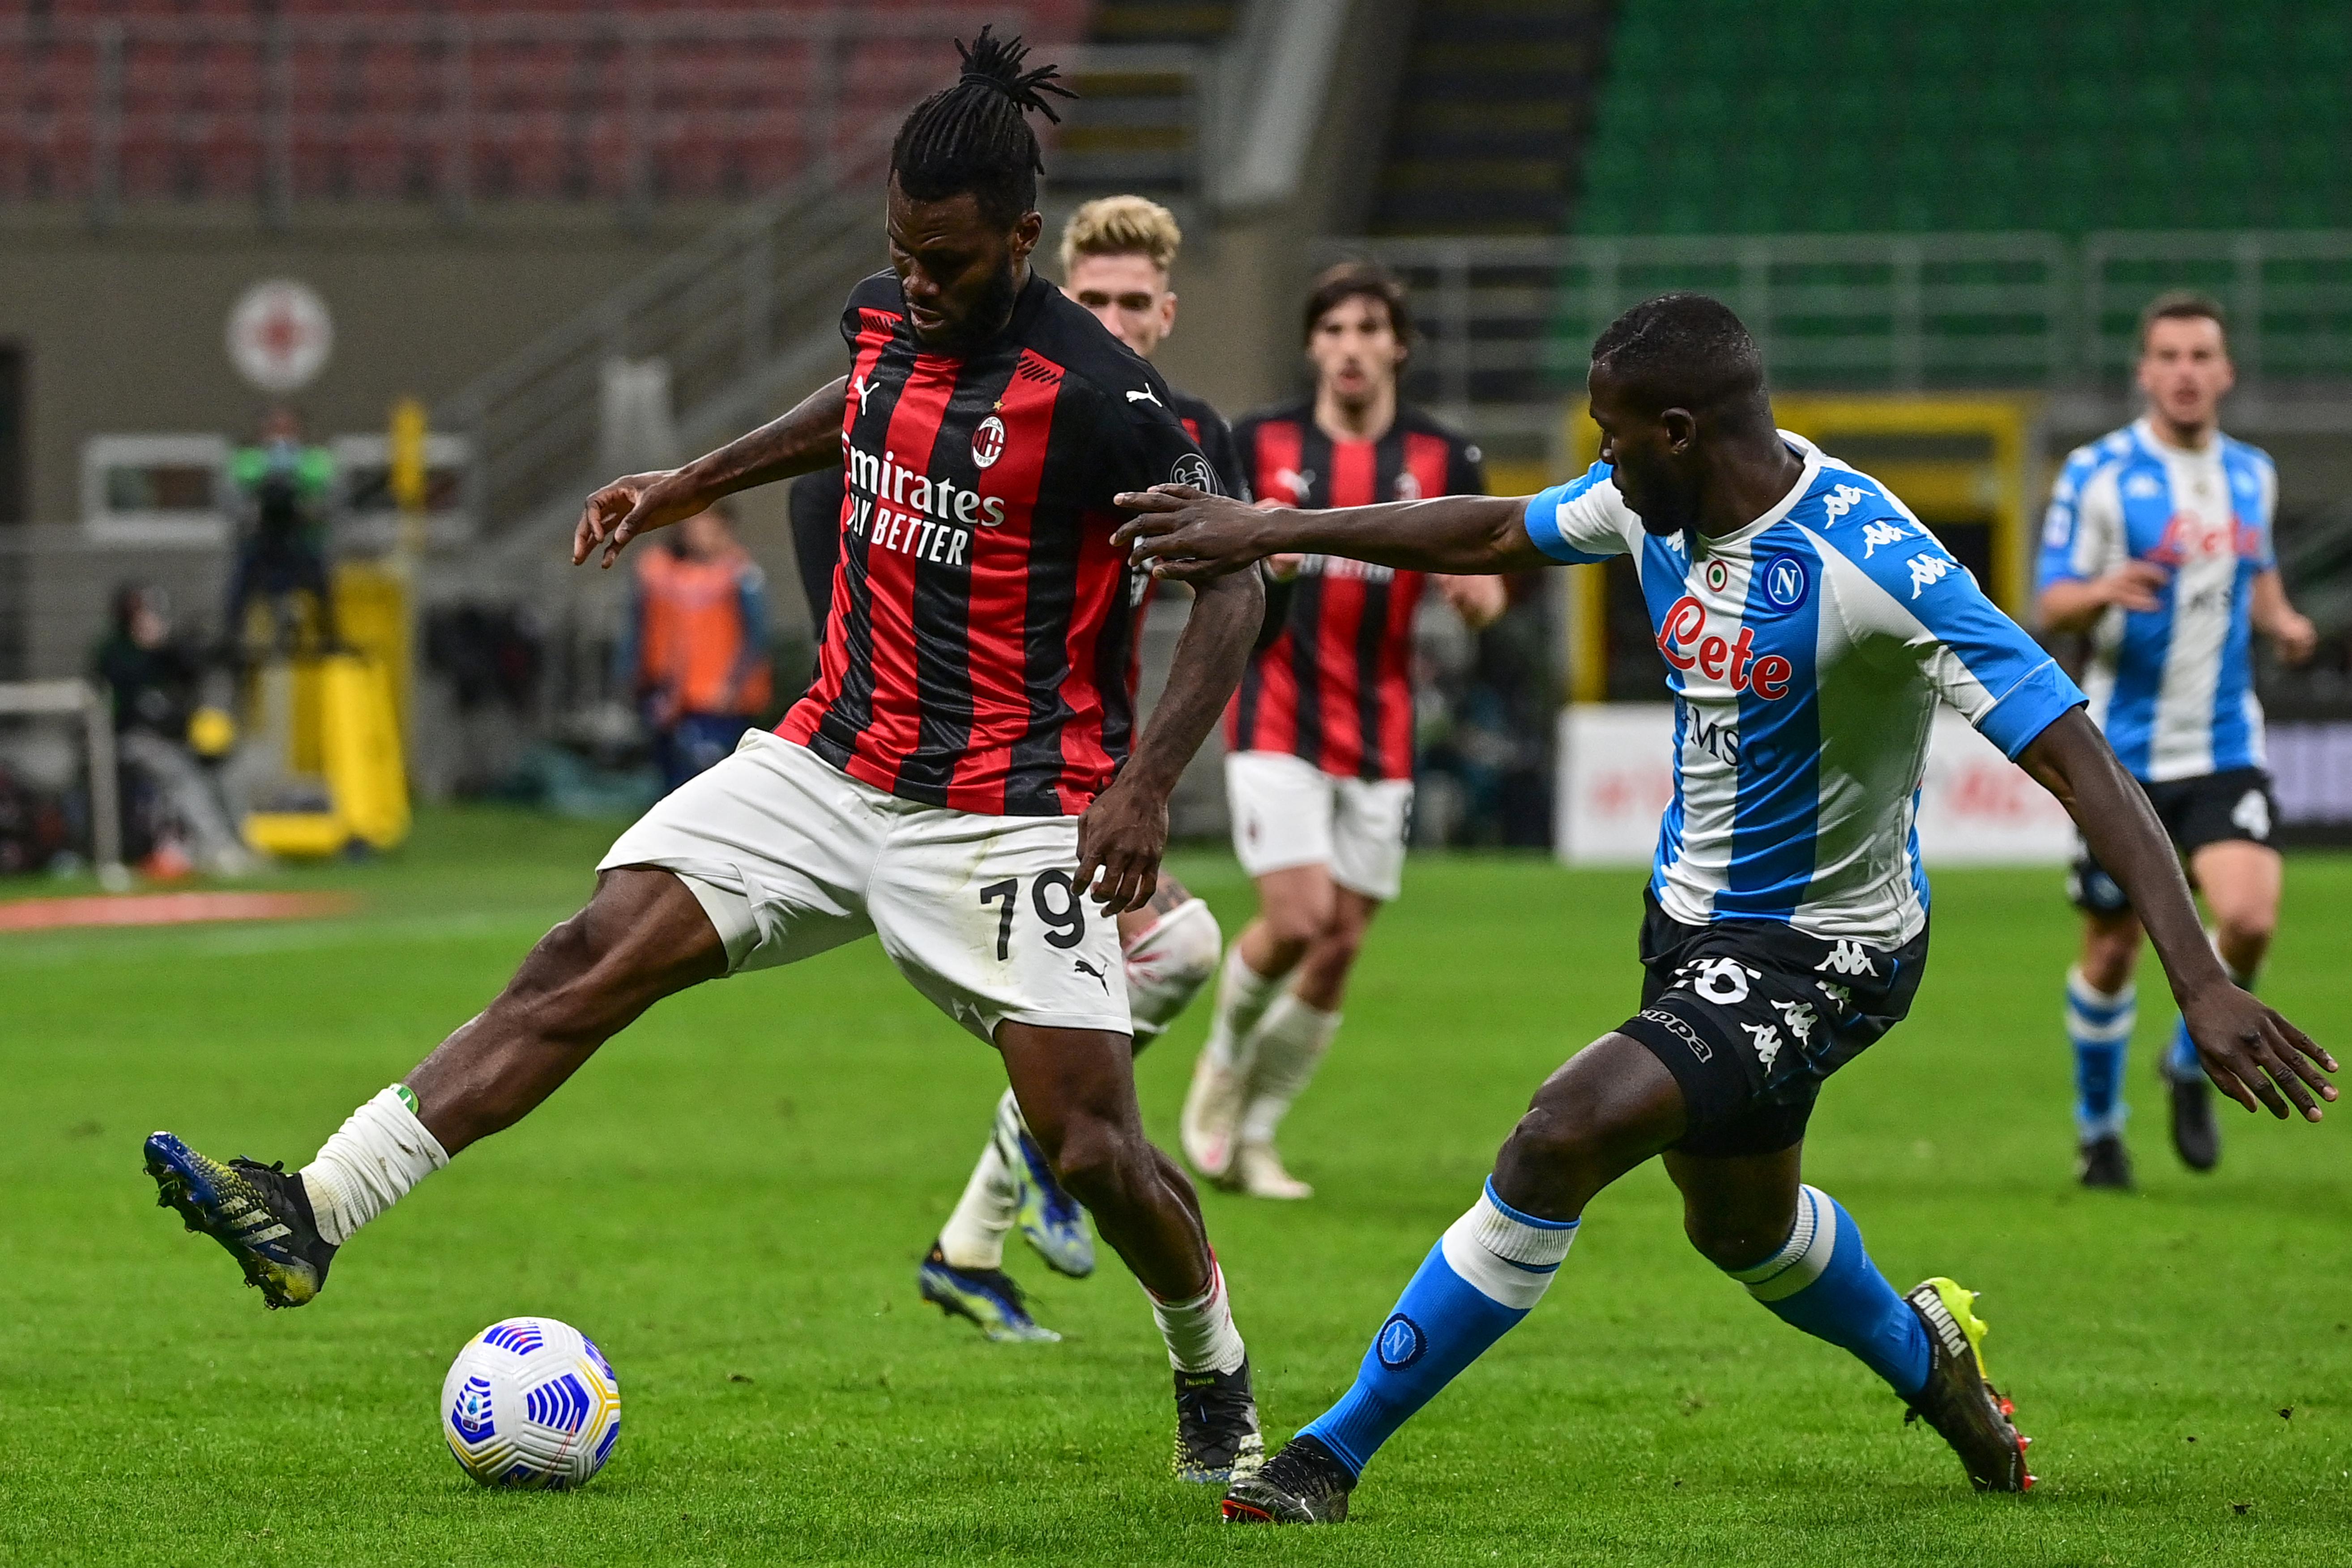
(733, 1196)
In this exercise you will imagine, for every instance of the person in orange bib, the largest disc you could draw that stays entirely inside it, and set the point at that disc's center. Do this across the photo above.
(695, 653)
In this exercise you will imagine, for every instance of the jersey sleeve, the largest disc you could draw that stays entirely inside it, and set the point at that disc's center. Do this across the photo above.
(1976, 659)
(1155, 448)
(2082, 520)
(1582, 521)
(1466, 468)
(1217, 445)
(2266, 477)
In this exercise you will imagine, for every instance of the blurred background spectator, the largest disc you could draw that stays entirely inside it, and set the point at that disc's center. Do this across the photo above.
(283, 490)
(694, 652)
(174, 818)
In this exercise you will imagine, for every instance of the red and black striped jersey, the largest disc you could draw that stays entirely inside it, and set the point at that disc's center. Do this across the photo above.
(1336, 686)
(980, 651)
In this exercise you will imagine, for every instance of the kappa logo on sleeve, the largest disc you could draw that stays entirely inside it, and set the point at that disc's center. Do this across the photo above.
(1927, 571)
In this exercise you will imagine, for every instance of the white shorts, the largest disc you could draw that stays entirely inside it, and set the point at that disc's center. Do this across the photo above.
(1288, 812)
(790, 856)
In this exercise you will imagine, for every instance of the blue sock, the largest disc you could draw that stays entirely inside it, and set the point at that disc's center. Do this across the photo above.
(1484, 1275)
(1824, 1283)
(2100, 1024)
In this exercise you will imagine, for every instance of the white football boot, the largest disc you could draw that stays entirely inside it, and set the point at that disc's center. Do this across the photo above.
(1257, 1170)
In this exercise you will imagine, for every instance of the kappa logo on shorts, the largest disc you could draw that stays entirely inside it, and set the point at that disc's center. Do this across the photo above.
(1722, 981)
(1765, 1039)
(1800, 1018)
(1673, 1025)
(1847, 958)
(1400, 1343)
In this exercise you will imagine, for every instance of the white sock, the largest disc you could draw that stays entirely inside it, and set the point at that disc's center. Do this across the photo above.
(375, 1156)
(1167, 966)
(1200, 1333)
(1508, 1256)
(973, 1236)
(1286, 1050)
(1243, 995)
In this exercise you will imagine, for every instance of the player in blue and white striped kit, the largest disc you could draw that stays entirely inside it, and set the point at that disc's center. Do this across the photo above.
(2158, 545)
(1811, 625)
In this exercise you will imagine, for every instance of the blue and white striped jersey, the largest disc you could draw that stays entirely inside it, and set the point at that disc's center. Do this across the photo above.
(2172, 687)
(1806, 652)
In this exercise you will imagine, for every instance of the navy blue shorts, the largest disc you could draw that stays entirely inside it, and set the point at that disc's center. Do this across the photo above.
(1750, 1016)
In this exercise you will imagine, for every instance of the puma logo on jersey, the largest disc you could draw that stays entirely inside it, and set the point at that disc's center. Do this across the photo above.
(1146, 395)
(864, 389)
(1847, 958)
(1927, 571)
(1300, 482)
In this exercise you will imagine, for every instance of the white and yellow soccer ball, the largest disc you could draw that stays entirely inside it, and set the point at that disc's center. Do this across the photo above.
(530, 1402)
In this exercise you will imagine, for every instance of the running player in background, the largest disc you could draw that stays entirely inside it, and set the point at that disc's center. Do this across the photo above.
(1116, 256)
(1811, 625)
(960, 780)
(2158, 545)
(1318, 764)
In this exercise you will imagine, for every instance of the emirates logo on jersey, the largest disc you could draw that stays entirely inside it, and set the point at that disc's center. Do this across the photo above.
(988, 442)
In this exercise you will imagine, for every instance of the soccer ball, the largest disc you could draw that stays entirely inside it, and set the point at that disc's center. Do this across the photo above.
(530, 1402)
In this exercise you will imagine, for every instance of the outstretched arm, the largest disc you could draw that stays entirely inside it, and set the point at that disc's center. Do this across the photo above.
(1191, 536)
(2287, 628)
(800, 442)
(2248, 1049)
(1125, 831)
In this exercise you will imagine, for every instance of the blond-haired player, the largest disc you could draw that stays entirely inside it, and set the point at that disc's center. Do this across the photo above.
(1116, 258)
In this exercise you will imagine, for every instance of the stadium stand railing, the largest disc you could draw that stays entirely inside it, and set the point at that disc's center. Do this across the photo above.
(1510, 319)
(629, 104)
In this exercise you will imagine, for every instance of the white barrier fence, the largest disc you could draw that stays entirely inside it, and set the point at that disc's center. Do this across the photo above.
(1616, 776)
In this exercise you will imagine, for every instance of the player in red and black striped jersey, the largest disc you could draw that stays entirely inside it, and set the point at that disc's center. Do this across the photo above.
(1318, 764)
(1115, 255)
(961, 781)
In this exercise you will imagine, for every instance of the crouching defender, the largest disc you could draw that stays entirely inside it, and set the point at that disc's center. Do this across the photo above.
(954, 783)
(1810, 624)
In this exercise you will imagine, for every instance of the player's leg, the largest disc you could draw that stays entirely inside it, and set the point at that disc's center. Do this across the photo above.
(2102, 1009)
(2242, 881)
(1801, 1255)
(1608, 1109)
(675, 905)
(642, 937)
(1076, 1091)
(1369, 825)
(1169, 950)
(1282, 812)
(1290, 1043)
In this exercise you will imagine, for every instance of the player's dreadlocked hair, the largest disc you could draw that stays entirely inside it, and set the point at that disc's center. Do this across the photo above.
(975, 136)
(1685, 351)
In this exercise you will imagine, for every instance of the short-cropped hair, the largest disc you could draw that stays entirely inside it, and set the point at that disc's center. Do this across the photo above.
(1682, 351)
(1121, 225)
(2182, 305)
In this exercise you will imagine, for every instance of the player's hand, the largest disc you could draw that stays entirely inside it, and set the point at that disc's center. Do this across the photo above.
(2295, 636)
(1284, 565)
(1190, 535)
(2252, 1054)
(2135, 586)
(629, 505)
(1120, 840)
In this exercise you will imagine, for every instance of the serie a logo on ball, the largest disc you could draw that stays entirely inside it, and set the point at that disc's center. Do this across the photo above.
(531, 1403)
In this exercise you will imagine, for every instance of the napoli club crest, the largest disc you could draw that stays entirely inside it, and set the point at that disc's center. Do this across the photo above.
(1400, 1342)
(1786, 581)
(988, 441)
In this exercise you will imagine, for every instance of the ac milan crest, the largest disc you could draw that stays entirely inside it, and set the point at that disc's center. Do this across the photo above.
(988, 441)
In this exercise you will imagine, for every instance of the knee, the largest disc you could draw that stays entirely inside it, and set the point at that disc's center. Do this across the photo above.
(1096, 1159)
(2245, 928)
(1558, 1135)
(1300, 922)
(1336, 946)
(1733, 1241)
(2109, 957)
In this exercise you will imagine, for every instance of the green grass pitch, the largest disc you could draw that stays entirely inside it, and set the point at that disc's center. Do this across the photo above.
(732, 1198)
